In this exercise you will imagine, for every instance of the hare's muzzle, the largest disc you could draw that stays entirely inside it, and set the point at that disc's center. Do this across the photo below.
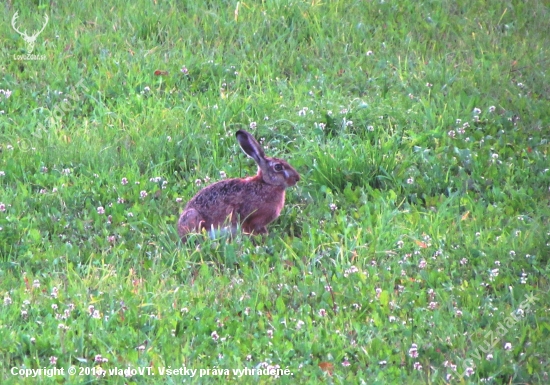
(292, 179)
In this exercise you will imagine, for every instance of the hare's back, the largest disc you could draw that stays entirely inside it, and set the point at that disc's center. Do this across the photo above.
(219, 193)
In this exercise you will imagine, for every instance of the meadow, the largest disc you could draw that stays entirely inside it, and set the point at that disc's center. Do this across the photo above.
(414, 249)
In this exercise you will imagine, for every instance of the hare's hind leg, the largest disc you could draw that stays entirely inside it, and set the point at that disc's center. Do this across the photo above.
(190, 220)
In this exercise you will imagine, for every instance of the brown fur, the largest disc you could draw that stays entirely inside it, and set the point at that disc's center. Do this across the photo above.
(252, 202)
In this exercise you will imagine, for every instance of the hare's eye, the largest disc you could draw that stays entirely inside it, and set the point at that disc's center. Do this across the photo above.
(278, 167)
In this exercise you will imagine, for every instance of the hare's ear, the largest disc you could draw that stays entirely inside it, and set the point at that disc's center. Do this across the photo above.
(250, 146)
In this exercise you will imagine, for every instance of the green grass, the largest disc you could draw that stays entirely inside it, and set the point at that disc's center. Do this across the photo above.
(420, 130)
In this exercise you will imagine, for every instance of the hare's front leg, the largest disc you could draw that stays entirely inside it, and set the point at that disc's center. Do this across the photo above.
(254, 227)
(257, 231)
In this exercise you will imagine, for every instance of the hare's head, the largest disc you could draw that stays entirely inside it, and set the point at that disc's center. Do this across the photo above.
(273, 171)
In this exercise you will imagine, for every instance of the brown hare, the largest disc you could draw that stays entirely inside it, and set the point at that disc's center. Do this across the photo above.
(252, 202)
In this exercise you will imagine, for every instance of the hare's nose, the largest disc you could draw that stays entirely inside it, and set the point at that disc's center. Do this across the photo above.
(293, 180)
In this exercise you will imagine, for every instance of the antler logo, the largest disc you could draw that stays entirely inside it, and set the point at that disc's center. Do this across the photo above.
(29, 40)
